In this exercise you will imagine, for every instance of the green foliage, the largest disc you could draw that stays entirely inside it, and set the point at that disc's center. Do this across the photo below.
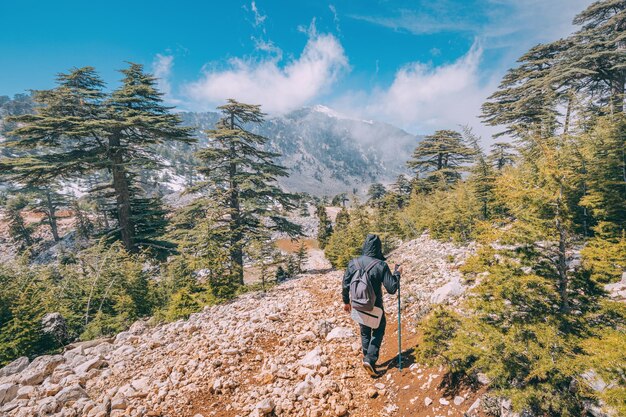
(240, 177)
(80, 129)
(606, 354)
(513, 331)
(438, 329)
(324, 228)
(604, 150)
(441, 157)
(606, 260)
(22, 306)
(451, 214)
(20, 233)
(376, 193)
(182, 305)
(339, 200)
(347, 239)
(301, 257)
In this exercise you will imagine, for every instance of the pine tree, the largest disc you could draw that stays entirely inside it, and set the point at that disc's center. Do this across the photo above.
(537, 193)
(501, 155)
(241, 177)
(482, 176)
(324, 228)
(441, 157)
(526, 100)
(81, 129)
(402, 188)
(376, 193)
(347, 239)
(136, 121)
(301, 257)
(20, 233)
(596, 57)
(83, 224)
(339, 200)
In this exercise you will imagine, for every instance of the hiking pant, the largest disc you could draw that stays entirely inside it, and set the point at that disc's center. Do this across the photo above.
(371, 339)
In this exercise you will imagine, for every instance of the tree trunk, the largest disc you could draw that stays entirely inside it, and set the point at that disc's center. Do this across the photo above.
(236, 237)
(52, 218)
(122, 192)
(617, 94)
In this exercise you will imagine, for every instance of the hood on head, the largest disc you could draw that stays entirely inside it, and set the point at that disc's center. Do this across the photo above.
(373, 247)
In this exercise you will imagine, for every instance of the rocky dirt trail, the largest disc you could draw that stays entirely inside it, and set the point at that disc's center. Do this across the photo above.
(289, 352)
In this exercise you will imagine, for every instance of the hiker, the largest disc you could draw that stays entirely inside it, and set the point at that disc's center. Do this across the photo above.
(373, 263)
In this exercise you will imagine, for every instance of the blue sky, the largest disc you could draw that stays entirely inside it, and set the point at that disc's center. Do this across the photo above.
(422, 65)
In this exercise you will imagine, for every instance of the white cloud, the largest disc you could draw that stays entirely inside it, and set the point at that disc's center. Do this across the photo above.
(259, 18)
(423, 98)
(279, 87)
(333, 10)
(162, 70)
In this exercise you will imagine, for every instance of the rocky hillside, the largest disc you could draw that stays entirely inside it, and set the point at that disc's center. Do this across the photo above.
(291, 351)
(326, 152)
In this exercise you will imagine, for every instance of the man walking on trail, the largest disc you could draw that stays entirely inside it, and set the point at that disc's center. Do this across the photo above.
(372, 263)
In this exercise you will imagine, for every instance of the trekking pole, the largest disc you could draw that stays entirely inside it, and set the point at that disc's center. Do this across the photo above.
(399, 329)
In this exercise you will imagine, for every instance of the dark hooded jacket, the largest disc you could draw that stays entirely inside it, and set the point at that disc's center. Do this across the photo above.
(380, 274)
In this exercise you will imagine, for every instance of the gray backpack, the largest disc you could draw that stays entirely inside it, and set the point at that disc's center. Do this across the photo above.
(362, 296)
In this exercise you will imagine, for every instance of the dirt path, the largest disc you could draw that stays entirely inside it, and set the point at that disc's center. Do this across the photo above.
(405, 391)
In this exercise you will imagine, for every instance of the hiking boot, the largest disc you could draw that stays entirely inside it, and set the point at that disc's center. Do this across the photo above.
(369, 368)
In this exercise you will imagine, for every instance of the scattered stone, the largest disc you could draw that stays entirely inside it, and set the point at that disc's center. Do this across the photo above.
(483, 379)
(308, 336)
(304, 388)
(427, 401)
(25, 392)
(312, 360)
(39, 369)
(443, 401)
(340, 333)
(262, 354)
(119, 403)
(458, 400)
(14, 367)
(71, 393)
(340, 410)
(53, 324)
(88, 365)
(8, 392)
(474, 406)
(265, 406)
(451, 289)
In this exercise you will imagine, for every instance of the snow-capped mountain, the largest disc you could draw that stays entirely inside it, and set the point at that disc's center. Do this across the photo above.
(327, 152)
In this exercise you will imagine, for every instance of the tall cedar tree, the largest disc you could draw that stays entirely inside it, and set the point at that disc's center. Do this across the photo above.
(596, 60)
(526, 100)
(137, 121)
(376, 193)
(441, 157)
(241, 176)
(79, 129)
(502, 154)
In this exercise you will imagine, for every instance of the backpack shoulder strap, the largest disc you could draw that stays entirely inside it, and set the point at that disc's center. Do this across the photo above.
(371, 265)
